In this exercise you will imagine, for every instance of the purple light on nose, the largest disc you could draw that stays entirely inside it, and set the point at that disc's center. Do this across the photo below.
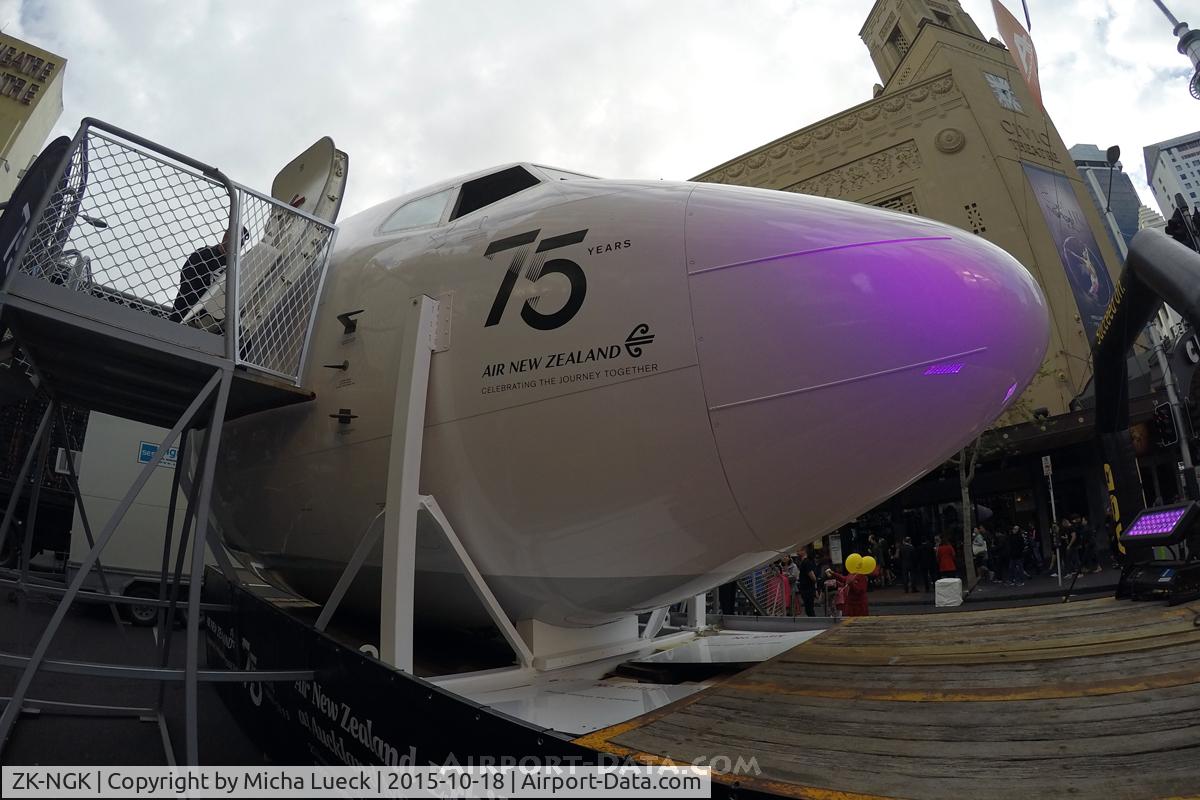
(944, 369)
(1008, 395)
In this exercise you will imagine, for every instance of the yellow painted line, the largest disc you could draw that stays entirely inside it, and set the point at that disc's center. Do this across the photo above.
(599, 740)
(833, 654)
(1166, 681)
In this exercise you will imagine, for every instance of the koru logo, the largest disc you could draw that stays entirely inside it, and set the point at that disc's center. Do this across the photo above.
(638, 338)
(538, 267)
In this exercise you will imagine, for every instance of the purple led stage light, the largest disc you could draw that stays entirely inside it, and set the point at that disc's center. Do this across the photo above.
(1156, 524)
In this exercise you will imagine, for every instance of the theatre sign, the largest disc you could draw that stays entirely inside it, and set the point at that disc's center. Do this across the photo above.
(24, 71)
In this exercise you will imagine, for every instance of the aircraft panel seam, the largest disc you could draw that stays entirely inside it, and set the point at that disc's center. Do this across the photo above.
(854, 379)
(820, 250)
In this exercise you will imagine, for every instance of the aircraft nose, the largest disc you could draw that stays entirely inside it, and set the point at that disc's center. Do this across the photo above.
(846, 350)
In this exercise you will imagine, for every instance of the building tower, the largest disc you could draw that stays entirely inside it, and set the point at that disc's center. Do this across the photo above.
(1149, 218)
(893, 25)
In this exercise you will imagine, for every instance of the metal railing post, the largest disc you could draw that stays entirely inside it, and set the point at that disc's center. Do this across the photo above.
(192, 659)
(233, 321)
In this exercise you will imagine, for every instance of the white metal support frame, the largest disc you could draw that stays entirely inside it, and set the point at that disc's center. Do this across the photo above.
(397, 601)
(478, 584)
(404, 504)
(658, 618)
(697, 611)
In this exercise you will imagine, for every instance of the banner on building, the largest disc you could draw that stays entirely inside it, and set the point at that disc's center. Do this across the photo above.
(1076, 243)
(1020, 44)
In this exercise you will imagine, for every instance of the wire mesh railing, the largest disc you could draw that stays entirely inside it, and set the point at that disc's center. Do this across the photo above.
(145, 227)
(761, 588)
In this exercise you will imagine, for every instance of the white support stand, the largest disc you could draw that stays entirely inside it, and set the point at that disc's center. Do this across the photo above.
(698, 612)
(404, 470)
(536, 644)
(658, 618)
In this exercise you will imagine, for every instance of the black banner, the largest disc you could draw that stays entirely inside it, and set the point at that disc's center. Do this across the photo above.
(358, 711)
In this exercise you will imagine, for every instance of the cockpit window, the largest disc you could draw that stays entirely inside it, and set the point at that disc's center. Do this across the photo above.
(489, 189)
(417, 213)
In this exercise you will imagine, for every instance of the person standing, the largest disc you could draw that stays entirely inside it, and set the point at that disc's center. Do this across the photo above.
(908, 565)
(945, 560)
(927, 557)
(856, 593)
(806, 582)
(1033, 550)
(879, 551)
(1071, 542)
(779, 590)
(1114, 546)
(1087, 547)
(1055, 547)
(979, 552)
(200, 271)
(1000, 553)
(1016, 557)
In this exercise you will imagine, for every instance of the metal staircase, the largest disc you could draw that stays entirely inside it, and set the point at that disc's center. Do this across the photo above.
(94, 243)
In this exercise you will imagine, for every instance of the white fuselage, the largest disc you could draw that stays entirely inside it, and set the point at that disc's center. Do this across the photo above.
(677, 381)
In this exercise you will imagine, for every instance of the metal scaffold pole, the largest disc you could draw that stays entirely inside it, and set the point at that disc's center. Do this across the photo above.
(13, 708)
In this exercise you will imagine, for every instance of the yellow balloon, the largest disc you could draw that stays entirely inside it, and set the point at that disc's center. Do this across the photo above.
(868, 565)
(854, 562)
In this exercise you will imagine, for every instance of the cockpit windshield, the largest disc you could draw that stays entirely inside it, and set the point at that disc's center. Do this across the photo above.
(484, 191)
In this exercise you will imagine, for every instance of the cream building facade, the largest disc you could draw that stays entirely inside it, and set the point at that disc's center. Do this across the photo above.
(952, 134)
(31, 101)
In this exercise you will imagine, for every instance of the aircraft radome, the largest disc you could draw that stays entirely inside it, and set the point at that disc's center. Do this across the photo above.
(650, 386)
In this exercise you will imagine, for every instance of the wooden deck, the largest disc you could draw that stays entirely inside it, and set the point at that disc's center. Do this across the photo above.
(1090, 699)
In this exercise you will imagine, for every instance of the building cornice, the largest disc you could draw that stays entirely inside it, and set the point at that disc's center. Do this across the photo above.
(872, 16)
(890, 108)
(965, 42)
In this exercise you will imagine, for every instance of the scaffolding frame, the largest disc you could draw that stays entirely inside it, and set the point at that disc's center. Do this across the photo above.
(43, 309)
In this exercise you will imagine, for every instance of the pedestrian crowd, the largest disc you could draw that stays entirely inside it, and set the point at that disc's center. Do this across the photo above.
(1009, 554)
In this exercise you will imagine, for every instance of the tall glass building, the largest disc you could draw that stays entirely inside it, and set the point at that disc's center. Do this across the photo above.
(1123, 199)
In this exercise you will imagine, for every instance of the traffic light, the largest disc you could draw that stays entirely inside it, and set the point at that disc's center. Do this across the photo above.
(1177, 229)
(1164, 425)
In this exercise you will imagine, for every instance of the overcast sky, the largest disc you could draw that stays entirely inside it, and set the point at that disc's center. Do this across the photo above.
(419, 91)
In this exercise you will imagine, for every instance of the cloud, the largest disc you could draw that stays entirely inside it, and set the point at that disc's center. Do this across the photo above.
(419, 91)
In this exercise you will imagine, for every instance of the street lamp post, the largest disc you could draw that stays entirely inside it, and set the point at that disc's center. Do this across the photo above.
(1189, 45)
